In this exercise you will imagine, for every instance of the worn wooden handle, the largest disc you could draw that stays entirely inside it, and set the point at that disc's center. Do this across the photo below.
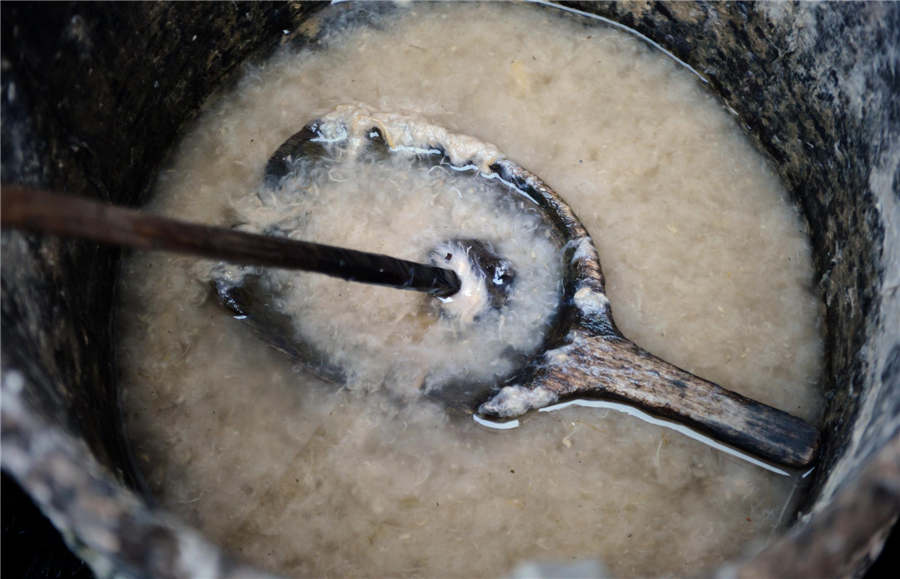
(600, 366)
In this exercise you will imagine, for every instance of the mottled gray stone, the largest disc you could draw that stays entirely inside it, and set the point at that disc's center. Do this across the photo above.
(115, 531)
(93, 96)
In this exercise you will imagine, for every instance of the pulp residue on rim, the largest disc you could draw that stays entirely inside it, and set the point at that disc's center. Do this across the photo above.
(706, 266)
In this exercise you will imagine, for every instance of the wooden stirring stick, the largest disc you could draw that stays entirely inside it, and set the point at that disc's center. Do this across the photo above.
(68, 215)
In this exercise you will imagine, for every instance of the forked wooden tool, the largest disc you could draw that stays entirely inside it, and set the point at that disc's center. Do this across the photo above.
(585, 355)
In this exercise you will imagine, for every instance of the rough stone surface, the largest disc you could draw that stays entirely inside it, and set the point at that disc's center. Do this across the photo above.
(92, 97)
(116, 532)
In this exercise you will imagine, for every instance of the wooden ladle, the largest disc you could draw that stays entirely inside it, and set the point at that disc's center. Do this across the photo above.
(585, 355)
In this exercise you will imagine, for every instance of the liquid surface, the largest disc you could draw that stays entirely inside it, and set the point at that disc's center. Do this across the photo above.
(706, 266)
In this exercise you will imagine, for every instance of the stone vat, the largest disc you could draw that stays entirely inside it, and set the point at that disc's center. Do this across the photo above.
(94, 96)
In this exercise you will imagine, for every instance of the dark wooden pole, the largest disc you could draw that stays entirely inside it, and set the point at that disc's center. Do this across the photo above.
(68, 215)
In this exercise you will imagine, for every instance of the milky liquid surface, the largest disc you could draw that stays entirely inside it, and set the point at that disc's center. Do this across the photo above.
(706, 265)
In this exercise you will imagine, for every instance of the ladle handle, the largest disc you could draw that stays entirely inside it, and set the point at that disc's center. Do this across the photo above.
(599, 366)
(68, 215)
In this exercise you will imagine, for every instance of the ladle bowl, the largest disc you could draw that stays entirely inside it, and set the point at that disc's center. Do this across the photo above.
(583, 355)
(94, 97)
